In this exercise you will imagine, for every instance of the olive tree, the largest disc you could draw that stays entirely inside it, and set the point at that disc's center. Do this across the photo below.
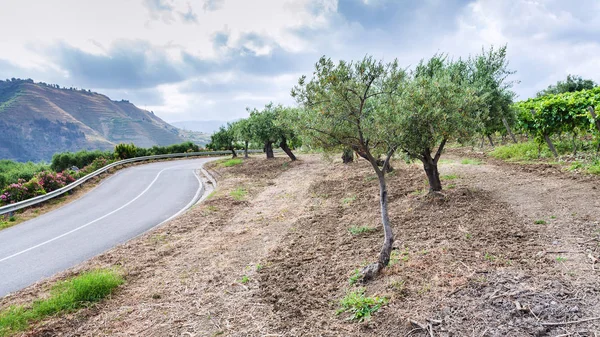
(346, 105)
(437, 105)
(242, 130)
(266, 130)
(488, 74)
(223, 139)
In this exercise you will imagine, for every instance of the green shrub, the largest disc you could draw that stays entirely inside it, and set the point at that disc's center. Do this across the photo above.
(65, 296)
(12, 171)
(66, 160)
(359, 306)
(125, 151)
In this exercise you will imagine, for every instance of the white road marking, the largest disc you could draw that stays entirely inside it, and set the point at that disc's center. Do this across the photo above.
(89, 223)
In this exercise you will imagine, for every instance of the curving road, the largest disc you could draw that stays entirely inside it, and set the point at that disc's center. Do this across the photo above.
(123, 206)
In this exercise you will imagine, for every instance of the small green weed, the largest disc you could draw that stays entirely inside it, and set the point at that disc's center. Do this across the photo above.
(469, 161)
(245, 279)
(355, 277)
(259, 267)
(65, 296)
(239, 193)
(12, 219)
(540, 222)
(359, 306)
(397, 256)
(356, 230)
(489, 257)
(348, 200)
(468, 236)
(449, 177)
(451, 186)
(553, 217)
(232, 162)
(561, 259)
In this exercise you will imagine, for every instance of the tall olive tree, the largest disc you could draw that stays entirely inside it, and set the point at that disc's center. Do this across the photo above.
(345, 105)
(223, 139)
(437, 105)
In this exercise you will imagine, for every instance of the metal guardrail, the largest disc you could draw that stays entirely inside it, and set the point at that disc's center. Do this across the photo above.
(42, 198)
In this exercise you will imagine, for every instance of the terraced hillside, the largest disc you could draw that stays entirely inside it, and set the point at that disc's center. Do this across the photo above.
(38, 120)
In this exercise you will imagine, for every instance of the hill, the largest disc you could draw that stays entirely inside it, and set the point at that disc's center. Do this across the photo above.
(39, 119)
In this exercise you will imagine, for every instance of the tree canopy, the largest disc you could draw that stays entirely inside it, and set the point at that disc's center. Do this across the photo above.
(573, 83)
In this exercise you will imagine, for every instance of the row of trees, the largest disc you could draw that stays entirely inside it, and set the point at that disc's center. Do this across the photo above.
(267, 127)
(380, 110)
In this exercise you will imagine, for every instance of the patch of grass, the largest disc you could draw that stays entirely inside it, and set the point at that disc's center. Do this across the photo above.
(470, 161)
(540, 222)
(359, 306)
(232, 162)
(520, 152)
(451, 186)
(348, 200)
(66, 296)
(594, 167)
(239, 193)
(353, 279)
(449, 176)
(489, 257)
(398, 256)
(356, 230)
(245, 279)
(561, 259)
(445, 161)
(12, 219)
(259, 267)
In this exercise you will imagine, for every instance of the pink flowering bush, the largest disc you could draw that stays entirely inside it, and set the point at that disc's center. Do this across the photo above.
(51, 181)
(14, 193)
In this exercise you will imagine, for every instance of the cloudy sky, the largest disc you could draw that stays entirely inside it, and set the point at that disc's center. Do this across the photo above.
(210, 59)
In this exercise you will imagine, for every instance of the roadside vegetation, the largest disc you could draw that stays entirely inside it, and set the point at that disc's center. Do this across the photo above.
(65, 296)
(21, 181)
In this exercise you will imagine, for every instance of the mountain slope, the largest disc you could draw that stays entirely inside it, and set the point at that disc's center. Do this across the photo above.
(38, 120)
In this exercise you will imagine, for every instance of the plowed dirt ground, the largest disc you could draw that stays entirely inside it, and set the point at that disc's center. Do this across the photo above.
(508, 250)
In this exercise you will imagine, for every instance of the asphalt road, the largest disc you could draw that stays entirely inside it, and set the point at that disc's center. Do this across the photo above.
(123, 206)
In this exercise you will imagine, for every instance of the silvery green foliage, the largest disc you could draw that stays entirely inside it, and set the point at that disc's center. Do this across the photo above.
(347, 105)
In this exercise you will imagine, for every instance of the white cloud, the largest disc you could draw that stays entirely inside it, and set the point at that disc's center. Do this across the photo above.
(209, 59)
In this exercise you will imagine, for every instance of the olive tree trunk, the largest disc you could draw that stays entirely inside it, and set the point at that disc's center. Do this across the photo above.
(431, 169)
(489, 137)
(347, 156)
(233, 154)
(283, 145)
(269, 149)
(371, 271)
(246, 149)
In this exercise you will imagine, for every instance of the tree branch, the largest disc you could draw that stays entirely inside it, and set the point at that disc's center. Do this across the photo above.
(439, 151)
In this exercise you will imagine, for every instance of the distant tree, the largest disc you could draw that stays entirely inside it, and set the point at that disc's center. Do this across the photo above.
(345, 106)
(223, 139)
(571, 84)
(243, 133)
(488, 75)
